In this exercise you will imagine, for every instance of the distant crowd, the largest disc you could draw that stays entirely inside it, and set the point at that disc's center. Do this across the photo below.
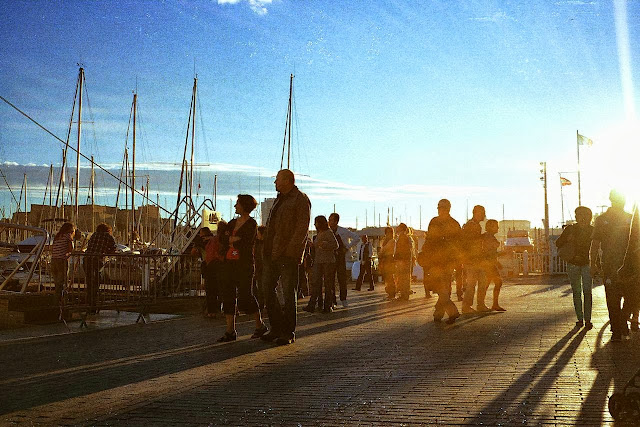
(252, 269)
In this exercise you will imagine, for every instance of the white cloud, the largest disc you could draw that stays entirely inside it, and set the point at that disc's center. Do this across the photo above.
(258, 6)
(8, 163)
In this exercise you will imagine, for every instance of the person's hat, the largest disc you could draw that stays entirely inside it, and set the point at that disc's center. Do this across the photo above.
(444, 203)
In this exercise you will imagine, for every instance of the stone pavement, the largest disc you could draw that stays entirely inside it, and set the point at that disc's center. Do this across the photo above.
(375, 362)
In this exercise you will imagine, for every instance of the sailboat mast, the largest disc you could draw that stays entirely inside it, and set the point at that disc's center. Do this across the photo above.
(193, 134)
(93, 182)
(290, 120)
(133, 172)
(80, 80)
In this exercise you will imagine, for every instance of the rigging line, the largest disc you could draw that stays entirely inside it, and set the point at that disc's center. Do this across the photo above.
(204, 134)
(63, 167)
(82, 155)
(8, 186)
(92, 119)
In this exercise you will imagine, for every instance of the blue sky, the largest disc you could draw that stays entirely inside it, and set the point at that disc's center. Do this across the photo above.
(400, 103)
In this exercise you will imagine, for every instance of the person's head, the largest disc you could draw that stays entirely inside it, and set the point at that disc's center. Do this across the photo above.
(260, 232)
(67, 228)
(479, 213)
(583, 215)
(491, 226)
(617, 199)
(444, 207)
(285, 181)
(388, 232)
(402, 228)
(364, 238)
(334, 219)
(222, 227)
(245, 204)
(321, 223)
(205, 233)
(103, 228)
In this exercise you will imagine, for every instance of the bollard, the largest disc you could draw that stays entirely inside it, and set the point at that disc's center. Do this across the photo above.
(525, 263)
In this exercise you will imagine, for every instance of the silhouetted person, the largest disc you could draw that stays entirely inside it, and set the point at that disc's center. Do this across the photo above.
(386, 264)
(239, 268)
(574, 244)
(284, 243)
(442, 245)
(324, 267)
(490, 263)
(100, 243)
(472, 259)
(403, 258)
(347, 239)
(365, 264)
(208, 248)
(611, 235)
(60, 252)
(629, 273)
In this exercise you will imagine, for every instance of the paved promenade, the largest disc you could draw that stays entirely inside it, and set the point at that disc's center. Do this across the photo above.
(375, 363)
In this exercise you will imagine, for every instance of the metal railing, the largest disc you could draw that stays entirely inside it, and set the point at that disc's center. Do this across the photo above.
(525, 263)
(130, 280)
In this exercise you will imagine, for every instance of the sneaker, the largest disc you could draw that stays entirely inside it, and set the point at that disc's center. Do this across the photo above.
(579, 324)
(451, 320)
(371, 289)
(269, 336)
(259, 331)
(588, 326)
(497, 308)
(344, 303)
(327, 310)
(228, 337)
(286, 340)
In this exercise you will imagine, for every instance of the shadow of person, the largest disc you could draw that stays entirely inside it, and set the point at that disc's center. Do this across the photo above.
(614, 363)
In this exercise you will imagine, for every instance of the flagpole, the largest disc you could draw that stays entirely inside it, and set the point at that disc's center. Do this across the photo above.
(561, 197)
(578, 150)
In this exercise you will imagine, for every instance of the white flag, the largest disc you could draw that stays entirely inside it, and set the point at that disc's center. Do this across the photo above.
(583, 140)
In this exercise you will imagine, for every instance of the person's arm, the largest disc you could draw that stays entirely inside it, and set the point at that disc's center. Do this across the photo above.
(353, 237)
(594, 255)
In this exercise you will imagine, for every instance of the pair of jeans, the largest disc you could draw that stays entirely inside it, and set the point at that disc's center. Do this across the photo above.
(92, 266)
(341, 274)
(365, 271)
(581, 283)
(474, 274)
(323, 276)
(59, 269)
(614, 292)
(282, 317)
(237, 281)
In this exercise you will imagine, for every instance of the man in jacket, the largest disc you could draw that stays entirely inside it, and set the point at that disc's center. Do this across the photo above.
(365, 264)
(284, 244)
(611, 234)
(347, 239)
(472, 259)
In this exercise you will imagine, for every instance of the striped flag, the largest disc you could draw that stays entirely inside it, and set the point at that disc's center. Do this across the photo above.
(583, 140)
(564, 181)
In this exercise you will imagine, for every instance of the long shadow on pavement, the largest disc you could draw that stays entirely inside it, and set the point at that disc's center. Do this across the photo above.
(62, 367)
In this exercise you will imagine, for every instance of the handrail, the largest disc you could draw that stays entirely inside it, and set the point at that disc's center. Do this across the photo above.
(37, 251)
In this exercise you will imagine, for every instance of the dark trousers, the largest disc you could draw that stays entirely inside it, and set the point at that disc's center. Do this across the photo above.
(282, 318)
(614, 292)
(59, 268)
(365, 269)
(211, 275)
(92, 267)
(341, 274)
(237, 288)
(323, 277)
(441, 281)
